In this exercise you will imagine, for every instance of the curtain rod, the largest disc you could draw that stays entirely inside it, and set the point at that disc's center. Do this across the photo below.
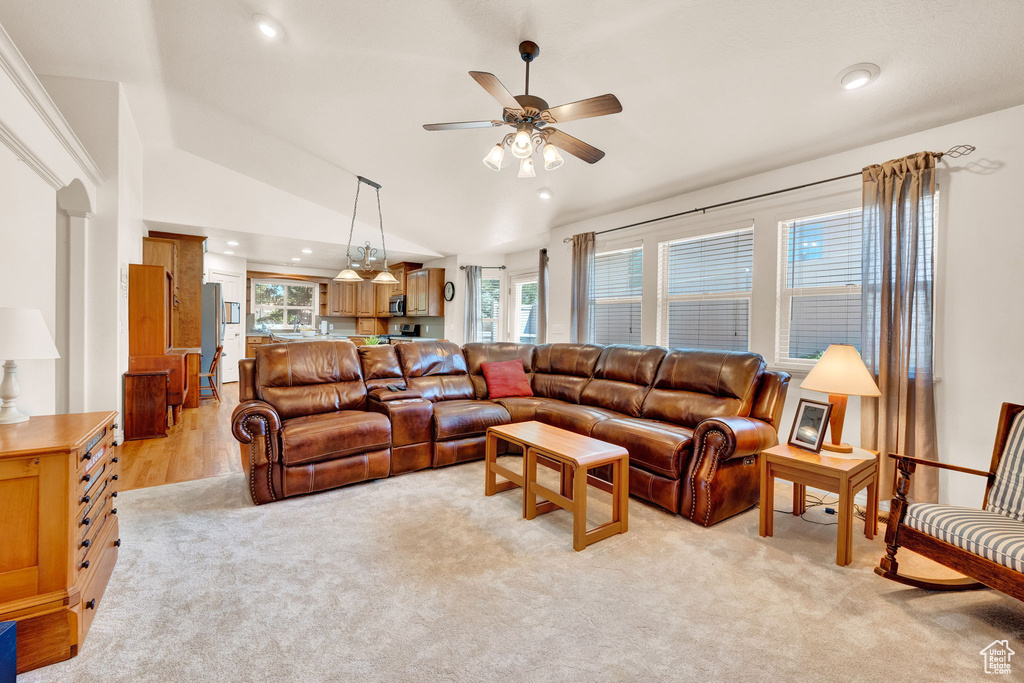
(485, 267)
(954, 152)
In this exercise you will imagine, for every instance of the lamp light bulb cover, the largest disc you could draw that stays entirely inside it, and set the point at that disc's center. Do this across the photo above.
(552, 159)
(522, 146)
(348, 275)
(526, 168)
(385, 277)
(495, 157)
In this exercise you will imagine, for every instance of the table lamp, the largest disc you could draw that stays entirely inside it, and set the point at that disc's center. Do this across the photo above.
(840, 373)
(23, 336)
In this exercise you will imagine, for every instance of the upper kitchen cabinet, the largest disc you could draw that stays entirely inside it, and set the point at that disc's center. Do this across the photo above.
(401, 272)
(424, 294)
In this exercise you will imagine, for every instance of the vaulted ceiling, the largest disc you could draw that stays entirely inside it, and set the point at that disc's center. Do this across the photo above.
(711, 91)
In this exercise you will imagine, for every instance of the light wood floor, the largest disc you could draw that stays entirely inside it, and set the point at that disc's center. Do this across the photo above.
(199, 446)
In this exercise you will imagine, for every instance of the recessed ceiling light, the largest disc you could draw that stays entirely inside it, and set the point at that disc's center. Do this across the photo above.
(307, 251)
(545, 193)
(229, 253)
(267, 26)
(858, 75)
(232, 243)
(296, 258)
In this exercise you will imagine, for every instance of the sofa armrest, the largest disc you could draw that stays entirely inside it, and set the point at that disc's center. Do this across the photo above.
(256, 425)
(738, 437)
(385, 395)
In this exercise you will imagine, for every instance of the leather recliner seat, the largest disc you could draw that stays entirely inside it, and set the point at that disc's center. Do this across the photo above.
(693, 421)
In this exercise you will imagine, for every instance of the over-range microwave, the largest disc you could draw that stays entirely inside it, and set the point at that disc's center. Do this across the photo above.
(397, 305)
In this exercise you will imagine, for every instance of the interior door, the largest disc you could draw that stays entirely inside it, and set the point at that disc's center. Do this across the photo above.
(232, 289)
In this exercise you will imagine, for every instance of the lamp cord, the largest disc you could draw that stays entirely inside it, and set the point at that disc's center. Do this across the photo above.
(351, 229)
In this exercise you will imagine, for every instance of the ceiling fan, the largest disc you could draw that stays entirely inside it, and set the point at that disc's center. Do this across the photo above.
(532, 118)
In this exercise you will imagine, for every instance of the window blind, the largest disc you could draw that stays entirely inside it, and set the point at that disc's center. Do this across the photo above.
(490, 298)
(820, 278)
(618, 286)
(704, 291)
(523, 321)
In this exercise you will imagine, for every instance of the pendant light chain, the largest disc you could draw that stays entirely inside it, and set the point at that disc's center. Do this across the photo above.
(351, 229)
(380, 215)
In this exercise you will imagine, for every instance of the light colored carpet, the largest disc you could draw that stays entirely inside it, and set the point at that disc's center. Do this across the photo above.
(422, 578)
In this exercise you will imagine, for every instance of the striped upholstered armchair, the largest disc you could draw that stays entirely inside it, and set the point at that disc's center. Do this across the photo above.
(986, 545)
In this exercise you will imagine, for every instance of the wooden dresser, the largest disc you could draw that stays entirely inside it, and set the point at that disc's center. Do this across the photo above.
(58, 522)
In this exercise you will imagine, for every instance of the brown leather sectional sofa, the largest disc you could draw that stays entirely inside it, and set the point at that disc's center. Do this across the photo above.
(316, 415)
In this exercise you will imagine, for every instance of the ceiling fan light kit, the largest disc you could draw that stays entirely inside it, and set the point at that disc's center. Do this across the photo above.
(532, 118)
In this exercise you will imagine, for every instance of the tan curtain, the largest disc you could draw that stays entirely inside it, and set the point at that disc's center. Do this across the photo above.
(582, 314)
(897, 312)
(473, 296)
(542, 298)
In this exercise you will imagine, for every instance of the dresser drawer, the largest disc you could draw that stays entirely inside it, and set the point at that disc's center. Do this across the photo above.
(96, 449)
(94, 581)
(103, 479)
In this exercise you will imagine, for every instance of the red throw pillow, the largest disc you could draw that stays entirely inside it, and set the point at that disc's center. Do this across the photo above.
(506, 378)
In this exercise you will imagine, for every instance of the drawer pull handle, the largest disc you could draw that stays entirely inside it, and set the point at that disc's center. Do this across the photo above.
(114, 478)
(91, 604)
(87, 456)
(86, 543)
(114, 459)
(86, 499)
(114, 494)
(117, 543)
(113, 511)
(85, 565)
(86, 522)
(87, 477)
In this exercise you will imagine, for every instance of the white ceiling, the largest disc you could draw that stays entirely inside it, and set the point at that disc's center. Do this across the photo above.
(711, 91)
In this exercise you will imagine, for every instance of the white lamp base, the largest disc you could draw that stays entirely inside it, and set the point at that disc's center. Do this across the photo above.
(9, 389)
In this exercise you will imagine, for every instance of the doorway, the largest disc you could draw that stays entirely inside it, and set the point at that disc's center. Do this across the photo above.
(232, 291)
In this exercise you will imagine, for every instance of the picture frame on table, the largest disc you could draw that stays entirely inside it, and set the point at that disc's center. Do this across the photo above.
(810, 425)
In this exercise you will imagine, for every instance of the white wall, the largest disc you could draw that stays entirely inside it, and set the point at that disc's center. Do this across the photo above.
(28, 211)
(979, 245)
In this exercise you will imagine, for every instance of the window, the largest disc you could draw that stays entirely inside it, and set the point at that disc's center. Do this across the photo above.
(820, 277)
(618, 285)
(490, 296)
(704, 291)
(277, 303)
(523, 322)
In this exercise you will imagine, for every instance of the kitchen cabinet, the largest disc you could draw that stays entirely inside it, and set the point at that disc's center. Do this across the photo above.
(157, 251)
(425, 292)
(371, 326)
(348, 301)
(252, 343)
(365, 303)
(382, 300)
(401, 272)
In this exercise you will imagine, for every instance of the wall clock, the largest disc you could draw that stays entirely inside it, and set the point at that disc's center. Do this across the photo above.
(449, 291)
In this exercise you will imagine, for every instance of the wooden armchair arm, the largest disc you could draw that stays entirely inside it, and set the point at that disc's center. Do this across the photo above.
(940, 465)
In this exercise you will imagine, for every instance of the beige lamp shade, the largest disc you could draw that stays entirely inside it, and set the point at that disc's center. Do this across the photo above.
(24, 335)
(385, 277)
(840, 370)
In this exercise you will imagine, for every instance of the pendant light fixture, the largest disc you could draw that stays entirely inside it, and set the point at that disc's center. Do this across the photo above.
(384, 277)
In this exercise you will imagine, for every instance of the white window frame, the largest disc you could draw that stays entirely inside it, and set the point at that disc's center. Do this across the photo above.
(497, 319)
(617, 247)
(665, 299)
(785, 295)
(512, 315)
(255, 308)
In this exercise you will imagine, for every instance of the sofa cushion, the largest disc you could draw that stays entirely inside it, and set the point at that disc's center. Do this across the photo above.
(660, 447)
(435, 369)
(506, 378)
(380, 366)
(575, 418)
(327, 436)
(459, 419)
(623, 377)
(988, 534)
(478, 353)
(1007, 494)
(524, 408)
(562, 370)
(693, 385)
(308, 378)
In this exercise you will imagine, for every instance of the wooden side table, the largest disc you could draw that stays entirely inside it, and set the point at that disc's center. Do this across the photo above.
(843, 476)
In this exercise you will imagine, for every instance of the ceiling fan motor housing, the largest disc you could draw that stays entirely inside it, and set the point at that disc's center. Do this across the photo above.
(529, 50)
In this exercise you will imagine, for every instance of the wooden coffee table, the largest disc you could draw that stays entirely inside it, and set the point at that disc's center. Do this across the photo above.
(844, 476)
(574, 455)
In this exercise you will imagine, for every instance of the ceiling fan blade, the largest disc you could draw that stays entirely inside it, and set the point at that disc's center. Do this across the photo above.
(460, 125)
(577, 148)
(491, 84)
(585, 109)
